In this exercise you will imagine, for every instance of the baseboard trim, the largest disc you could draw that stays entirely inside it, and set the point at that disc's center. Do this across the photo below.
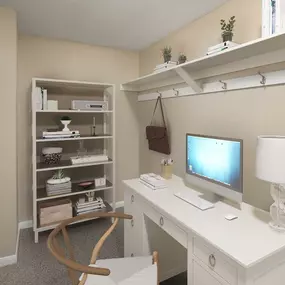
(25, 225)
(120, 204)
(8, 260)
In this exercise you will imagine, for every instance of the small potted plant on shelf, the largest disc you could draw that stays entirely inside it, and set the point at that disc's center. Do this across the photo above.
(227, 29)
(167, 54)
(182, 58)
(65, 120)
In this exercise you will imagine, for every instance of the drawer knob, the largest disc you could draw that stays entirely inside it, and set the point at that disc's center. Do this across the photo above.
(132, 223)
(161, 221)
(212, 260)
(132, 198)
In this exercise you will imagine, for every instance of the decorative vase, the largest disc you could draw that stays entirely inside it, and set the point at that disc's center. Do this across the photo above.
(227, 36)
(65, 123)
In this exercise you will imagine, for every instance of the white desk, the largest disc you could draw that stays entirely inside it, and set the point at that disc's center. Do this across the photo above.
(215, 251)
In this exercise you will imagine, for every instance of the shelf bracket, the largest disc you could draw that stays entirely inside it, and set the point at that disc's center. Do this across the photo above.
(188, 79)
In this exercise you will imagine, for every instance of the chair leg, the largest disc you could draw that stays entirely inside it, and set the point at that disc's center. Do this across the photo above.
(155, 261)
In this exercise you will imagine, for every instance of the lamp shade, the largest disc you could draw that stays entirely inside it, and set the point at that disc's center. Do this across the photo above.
(270, 159)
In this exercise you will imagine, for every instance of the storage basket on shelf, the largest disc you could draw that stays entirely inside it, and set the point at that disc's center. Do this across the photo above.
(51, 155)
(55, 211)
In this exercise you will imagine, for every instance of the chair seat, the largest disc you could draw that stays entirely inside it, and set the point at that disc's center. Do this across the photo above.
(125, 271)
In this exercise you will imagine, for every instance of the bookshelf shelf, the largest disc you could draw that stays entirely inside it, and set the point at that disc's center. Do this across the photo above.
(42, 195)
(108, 209)
(97, 137)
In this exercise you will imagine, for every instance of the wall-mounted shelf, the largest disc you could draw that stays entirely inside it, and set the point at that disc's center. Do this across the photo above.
(254, 54)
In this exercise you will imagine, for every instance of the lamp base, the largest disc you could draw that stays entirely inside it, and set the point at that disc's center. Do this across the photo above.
(277, 227)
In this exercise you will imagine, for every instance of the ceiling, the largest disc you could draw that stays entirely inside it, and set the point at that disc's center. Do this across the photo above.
(126, 24)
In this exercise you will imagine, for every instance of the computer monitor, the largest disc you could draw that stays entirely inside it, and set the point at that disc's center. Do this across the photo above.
(215, 164)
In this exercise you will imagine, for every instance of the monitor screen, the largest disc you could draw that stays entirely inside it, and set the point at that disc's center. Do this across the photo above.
(217, 160)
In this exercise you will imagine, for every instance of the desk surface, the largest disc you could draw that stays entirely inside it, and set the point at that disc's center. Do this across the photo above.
(247, 240)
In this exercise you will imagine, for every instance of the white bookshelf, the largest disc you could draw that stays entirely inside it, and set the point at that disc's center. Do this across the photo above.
(65, 91)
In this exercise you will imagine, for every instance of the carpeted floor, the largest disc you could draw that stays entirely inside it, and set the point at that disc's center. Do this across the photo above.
(36, 266)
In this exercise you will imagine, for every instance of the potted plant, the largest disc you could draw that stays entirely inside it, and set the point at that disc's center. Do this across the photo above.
(166, 53)
(227, 29)
(65, 120)
(182, 58)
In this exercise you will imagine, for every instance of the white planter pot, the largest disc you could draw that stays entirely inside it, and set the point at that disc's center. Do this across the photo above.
(65, 123)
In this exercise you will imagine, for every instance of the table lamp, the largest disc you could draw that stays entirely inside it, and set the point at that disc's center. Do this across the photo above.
(270, 167)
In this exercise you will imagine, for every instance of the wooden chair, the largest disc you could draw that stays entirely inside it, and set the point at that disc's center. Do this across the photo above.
(122, 271)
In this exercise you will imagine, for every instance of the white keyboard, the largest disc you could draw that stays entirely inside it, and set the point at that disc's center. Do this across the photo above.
(194, 200)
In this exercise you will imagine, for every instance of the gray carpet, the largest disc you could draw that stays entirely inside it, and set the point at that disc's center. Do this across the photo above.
(36, 266)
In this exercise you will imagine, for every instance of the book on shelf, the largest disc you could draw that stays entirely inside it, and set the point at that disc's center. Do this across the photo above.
(219, 46)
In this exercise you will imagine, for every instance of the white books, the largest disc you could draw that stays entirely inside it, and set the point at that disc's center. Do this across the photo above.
(151, 186)
(228, 44)
(39, 98)
(88, 159)
(45, 105)
(153, 179)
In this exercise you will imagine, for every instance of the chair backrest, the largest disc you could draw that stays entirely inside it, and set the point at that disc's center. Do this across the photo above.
(73, 266)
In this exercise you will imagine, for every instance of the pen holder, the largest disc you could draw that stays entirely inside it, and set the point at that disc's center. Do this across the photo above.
(166, 171)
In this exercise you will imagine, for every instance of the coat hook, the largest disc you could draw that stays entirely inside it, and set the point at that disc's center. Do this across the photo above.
(225, 85)
(263, 79)
(176, 92)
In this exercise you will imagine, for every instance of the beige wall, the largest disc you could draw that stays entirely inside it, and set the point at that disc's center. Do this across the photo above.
(39, 57)
(240, 114)
(8, 83)
(195, 38)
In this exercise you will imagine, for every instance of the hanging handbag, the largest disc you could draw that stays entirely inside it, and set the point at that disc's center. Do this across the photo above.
(157, 137)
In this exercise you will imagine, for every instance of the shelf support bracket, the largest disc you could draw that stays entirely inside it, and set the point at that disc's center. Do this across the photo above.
(188, 79)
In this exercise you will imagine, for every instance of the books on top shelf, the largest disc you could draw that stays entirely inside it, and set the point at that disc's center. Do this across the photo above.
(88, 204)
(221, 47)
(164, 66)
(153, 181)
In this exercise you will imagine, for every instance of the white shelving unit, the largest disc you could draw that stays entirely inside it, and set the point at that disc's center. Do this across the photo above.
(256, 56)
(65, 91)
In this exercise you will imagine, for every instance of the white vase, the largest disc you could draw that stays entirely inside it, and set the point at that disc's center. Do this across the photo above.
(65, 123)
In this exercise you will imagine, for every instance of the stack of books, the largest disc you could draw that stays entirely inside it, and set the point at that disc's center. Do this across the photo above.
(164, 66)
(58, 189)
(86, 206)
(60, 134)
(221, 47)
(153, 181)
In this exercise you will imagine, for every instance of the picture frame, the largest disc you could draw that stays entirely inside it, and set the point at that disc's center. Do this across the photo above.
(273, 17)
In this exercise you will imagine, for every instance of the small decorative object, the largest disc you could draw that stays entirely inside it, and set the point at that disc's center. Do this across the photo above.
(100, 182)
(90, 196)
(166, 52)
(51, 155)
(52, 104)
(182, 58)
(94, 127)
(270, 167)
(166, 168)
(65, 120)
(227, 29)
(58, 178)
(86, 184)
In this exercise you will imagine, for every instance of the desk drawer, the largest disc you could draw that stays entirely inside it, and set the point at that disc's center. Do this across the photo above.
(215, 261)
(168, 226)
(129, 201)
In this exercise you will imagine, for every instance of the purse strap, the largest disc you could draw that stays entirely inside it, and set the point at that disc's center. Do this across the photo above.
(161, 108)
